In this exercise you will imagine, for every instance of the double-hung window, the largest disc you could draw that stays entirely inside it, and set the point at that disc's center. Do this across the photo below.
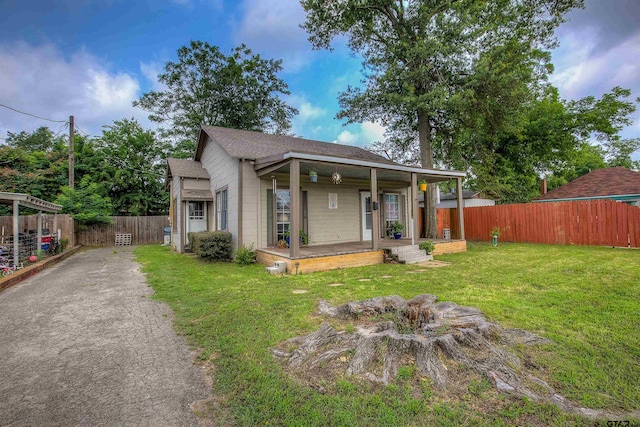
(283, 214)
(391, 209)
(221, 209)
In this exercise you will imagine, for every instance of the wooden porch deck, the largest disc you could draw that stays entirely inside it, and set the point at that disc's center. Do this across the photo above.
(348, 254)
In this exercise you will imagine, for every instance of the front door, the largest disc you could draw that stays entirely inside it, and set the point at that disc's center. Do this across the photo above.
(367, 221)
(196, 219)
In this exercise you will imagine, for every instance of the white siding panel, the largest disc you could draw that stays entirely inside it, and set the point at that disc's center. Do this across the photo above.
(250, 205)
(176, 238)
(196, 184)
(333, 225)
(467, 203)
(223, 170)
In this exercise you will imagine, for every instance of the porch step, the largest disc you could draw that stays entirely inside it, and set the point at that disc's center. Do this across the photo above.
(419, 258)
(410, 254)
(279, 267)
(402, 249)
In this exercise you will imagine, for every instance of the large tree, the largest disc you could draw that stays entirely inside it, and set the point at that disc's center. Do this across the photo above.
(133, 160)
(433, 65)
(559, 139)
(207, 87)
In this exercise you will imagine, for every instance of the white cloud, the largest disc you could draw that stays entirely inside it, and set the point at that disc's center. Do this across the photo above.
(584, 70)
(150, 71)
(42, 81)
(305, 123)
(273, 27)
(581, 73)
(362, 134)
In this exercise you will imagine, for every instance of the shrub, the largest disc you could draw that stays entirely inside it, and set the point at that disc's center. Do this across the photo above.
(193, 242)
(427, 246)
(245, 255)
(214, 245)
(64, 242)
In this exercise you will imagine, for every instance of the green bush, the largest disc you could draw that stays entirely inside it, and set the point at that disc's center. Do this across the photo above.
(193, 242)
(245, 255)
(427, 246)
(214, 245)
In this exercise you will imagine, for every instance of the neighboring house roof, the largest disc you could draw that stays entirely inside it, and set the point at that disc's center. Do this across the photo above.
(466, 194)
(600, 183)
(256, 145)
(186, 169)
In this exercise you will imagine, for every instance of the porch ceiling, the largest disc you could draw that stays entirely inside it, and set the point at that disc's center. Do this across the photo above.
(385, 172)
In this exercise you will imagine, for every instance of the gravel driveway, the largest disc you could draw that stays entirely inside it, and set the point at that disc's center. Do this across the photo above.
(83, 344)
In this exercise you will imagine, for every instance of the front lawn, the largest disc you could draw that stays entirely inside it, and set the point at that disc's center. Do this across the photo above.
(586, 300)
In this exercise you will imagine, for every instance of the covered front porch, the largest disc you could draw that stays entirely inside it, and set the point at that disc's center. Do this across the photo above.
(348, 254)
(343, 210)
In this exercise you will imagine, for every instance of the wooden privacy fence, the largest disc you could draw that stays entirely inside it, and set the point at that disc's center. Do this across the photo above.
(447, 218)
(593, 222)
(143, 230)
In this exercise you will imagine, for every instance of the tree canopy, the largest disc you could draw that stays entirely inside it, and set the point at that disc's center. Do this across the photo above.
(206, 87)
(119, 173)
(432, 67)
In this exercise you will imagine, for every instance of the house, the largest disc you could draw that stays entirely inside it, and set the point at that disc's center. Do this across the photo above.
(617, 183)
(240, 181)
(470, 198)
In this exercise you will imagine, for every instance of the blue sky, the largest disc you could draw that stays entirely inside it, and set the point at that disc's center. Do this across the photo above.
(91, 59)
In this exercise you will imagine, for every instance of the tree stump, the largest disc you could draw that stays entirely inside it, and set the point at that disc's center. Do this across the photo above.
(434, 336)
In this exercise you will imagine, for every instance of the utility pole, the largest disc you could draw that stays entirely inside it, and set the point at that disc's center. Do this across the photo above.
(71, 168)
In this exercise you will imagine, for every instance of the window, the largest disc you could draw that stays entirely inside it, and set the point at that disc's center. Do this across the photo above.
(174, 217)
(283, 213)
(196, 210)
(221, 208)
(391, 210)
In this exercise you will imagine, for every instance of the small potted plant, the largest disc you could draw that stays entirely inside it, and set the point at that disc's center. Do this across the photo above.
(396, 229)
(422, 185)
(304, 237)
(313, 176)
(495, 233)
(427, 246)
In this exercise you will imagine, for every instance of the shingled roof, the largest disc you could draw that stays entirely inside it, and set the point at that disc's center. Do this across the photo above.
(603, 183)
(255, 145)
(186, 169)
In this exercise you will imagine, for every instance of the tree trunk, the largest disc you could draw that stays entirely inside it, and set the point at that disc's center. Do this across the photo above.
(430, 230)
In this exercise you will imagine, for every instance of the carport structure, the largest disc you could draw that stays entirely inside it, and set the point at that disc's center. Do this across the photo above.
(19, 199)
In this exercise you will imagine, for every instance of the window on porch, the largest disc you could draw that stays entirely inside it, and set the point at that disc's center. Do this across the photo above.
(283, 213)
(392, 210)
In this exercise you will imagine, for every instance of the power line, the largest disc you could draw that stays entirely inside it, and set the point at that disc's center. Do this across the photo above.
(33, 115)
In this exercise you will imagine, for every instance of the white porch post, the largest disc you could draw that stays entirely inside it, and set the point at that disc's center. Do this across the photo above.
(294, 224)
(460, 209)
(16, 232)
(39, 235)
(375, 217)
(414, 207)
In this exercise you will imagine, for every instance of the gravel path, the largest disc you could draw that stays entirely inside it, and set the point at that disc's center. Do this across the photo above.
(83, 344)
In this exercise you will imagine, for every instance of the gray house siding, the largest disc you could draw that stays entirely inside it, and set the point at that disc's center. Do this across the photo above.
(176, 227)
(250, 205)
(223, 170)
(328, 226)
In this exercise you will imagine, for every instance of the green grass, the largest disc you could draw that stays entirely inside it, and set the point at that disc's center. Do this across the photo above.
(585, 299)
